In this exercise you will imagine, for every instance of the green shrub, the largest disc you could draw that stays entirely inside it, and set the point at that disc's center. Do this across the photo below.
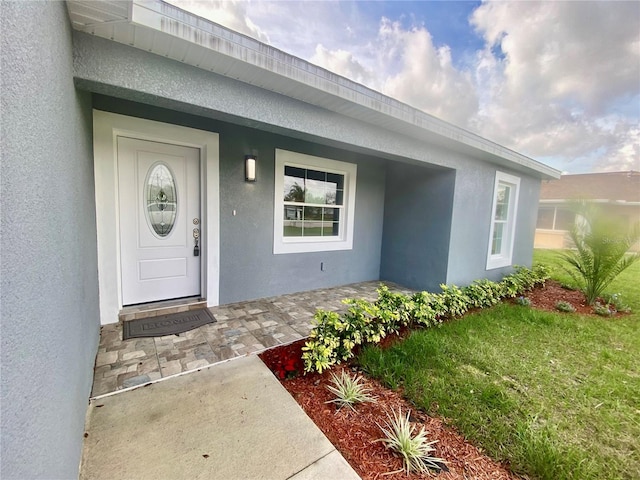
(325, 347)
(428, 309)
(483, 293)
(523, 301)
(334, 337)
(563, 306)
(604, 310)
(455, 300)
(617, 302)
(395, 305)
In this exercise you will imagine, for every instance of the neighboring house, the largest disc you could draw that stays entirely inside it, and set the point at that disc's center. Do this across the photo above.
(617, 193)
(125, 132)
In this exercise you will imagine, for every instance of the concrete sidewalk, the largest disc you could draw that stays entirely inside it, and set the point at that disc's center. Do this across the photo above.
(231, 420)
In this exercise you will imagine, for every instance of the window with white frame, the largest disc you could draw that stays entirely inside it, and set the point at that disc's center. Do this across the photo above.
(314, 203)
(503, 220)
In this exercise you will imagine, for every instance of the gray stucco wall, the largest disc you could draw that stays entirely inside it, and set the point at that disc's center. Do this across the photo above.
(248, 267)
(124, 72)
(526, 220)
(417, 223)
(471, 223)
(50, 324)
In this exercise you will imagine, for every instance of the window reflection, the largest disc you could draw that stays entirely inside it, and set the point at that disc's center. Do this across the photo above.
(313, 189)
(304, 185)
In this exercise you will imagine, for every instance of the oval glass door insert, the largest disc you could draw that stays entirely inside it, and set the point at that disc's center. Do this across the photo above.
(161, 199)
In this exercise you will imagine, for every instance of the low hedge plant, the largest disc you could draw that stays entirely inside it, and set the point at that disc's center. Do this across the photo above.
(334, 336)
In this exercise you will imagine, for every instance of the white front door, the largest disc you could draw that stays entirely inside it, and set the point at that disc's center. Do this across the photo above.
(159, 211)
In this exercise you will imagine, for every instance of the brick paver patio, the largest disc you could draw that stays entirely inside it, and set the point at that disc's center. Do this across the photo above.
(240, 329)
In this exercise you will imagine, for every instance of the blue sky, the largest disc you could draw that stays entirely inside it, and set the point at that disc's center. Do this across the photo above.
(557, 81)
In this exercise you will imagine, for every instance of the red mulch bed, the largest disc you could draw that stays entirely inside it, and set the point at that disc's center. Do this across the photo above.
(354, 434)
(546, 297)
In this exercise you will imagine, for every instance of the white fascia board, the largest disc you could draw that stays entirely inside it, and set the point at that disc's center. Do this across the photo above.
(272, 69)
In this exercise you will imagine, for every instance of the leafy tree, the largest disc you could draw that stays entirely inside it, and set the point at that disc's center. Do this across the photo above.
(295, 194)
(601, 249)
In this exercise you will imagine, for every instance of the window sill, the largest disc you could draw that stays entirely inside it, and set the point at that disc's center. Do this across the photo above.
(498, 262)
(285, 246)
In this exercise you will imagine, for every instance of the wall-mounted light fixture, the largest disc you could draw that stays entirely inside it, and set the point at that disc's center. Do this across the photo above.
(250, 168)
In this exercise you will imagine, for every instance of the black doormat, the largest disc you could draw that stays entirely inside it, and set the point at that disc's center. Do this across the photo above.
(166, 324)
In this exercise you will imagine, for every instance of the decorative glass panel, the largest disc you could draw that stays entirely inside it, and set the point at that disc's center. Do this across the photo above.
(161, 199)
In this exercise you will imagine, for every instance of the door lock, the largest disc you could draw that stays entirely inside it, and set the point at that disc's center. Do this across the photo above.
(196, 239)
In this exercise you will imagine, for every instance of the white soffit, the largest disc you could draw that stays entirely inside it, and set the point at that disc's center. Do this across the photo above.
(171, 32)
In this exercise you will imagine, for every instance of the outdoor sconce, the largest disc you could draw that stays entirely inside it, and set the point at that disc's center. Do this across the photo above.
(250, 168)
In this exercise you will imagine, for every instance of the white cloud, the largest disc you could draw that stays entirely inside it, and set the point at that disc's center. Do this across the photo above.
(229, 13)
(427, 79)
(555, 91)
(624, 153)
(408, 67)
(343, 63)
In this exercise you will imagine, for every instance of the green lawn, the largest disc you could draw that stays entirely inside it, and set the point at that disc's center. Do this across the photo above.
(555, 395)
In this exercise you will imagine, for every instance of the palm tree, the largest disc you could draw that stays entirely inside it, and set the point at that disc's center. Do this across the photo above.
(601, 246)
(296, 194)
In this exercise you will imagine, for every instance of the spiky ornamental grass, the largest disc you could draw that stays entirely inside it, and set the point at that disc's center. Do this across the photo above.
(348, 390)
(415, 450)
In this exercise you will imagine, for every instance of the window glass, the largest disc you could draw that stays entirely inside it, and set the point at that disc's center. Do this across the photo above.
(503, 196)
(312, 188)
(294, 184)
(314, 204)
(502, 204)
(496, 244)
(545, 218)
(564, 219)
(503, 220)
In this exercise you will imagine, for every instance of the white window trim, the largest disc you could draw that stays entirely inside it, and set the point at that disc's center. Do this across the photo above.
(504, 259)
(300, 244)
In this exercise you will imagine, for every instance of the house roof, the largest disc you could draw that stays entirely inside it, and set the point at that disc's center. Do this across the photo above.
(169, 31)
(619, 187)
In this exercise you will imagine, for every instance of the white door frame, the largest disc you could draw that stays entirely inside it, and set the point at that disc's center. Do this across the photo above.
(106, 128)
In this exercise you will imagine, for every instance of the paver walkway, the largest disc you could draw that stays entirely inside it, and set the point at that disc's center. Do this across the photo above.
(241, 328)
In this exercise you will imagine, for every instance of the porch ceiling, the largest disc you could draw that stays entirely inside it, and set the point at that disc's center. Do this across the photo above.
(166, 30)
